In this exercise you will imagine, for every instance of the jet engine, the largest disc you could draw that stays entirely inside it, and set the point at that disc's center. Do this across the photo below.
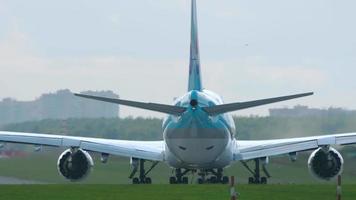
(74, 165)
(325, 163)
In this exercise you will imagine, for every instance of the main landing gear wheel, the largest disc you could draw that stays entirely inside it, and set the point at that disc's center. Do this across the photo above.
(135, 181)
(179, 177)
(264, 180)
(212, 176)
(225, 180)
(253, 180)
(256, 178)
(148, 180)
(139, 165)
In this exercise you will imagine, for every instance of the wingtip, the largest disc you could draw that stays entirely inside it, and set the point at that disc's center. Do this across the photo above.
(304, 94)
(81, 95)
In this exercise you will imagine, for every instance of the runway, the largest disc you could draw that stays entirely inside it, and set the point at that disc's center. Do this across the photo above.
(16, 181)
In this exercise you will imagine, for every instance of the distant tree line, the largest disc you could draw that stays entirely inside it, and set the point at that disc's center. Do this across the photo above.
(253, 127)
(286, 127)
(113, 128)
(59, 105)
(301, 111)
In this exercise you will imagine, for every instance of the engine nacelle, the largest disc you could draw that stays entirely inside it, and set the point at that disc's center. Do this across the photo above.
(75, 165)
(325, 163)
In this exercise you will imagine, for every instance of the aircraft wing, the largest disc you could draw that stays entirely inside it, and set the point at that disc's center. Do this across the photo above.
(247, 149)
(150, 150)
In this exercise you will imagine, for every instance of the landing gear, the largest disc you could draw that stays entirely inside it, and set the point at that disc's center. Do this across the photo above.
(139, 165)
(257, 179)
(206, 176)
(212, 176)
(179, 177)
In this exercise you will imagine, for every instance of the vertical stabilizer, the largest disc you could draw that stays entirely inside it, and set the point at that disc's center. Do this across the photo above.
(194, 64)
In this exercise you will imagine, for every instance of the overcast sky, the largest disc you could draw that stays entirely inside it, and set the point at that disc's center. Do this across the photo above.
(140, 49)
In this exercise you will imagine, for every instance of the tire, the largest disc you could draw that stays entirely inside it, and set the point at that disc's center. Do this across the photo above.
(185, 180)
(200, 181)
(148, 180)
(213, 179)
(225, 180)
(135, 181)
(172, 180)
(251, 180)
(263, 180)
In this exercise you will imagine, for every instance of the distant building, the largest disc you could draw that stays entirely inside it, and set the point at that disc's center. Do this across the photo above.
(60, 105)
(301, 111)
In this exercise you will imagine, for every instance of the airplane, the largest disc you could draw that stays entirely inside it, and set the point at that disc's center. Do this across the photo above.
(199, 136)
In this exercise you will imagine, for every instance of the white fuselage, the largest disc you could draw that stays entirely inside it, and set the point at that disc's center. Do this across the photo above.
(196, 140)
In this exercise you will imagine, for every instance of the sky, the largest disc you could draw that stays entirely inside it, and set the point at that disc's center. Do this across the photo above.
(140, 50)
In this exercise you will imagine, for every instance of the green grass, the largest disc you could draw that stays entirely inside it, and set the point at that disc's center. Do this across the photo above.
(172, 192)
(42, 167)
(109, 181)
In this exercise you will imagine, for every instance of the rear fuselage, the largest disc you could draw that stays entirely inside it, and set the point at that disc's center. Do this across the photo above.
(196, 140)
(193, 139)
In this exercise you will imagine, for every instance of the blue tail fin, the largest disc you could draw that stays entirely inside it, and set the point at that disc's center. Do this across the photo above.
(194, 65)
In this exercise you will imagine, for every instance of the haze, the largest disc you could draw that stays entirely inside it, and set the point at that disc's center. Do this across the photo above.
(140, 49)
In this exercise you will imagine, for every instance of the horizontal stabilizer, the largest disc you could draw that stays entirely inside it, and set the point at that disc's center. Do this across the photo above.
(168, 109)
(224, 108)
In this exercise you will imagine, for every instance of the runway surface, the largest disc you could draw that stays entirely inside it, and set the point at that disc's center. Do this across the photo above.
(17, 181)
